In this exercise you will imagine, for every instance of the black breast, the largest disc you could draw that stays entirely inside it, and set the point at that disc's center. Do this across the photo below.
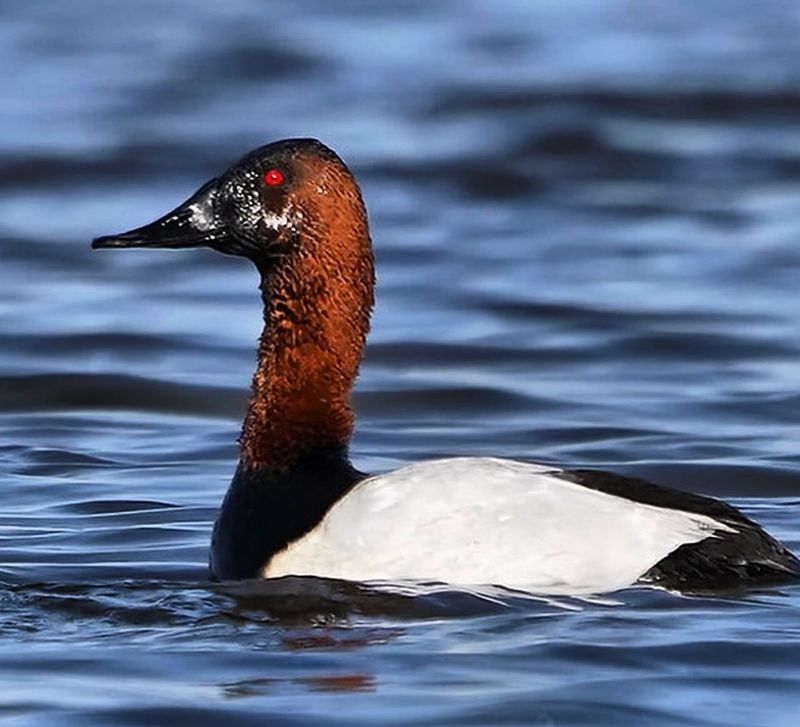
(265, 510)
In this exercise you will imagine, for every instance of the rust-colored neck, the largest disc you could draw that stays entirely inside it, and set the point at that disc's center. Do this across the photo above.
(317, 303)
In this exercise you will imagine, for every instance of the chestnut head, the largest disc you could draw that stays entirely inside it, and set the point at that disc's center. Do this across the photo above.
(262, 206)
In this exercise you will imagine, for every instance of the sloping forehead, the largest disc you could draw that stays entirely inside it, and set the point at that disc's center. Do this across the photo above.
(286, 149)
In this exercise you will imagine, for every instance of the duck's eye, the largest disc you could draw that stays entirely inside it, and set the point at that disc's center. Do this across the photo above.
(273, 178)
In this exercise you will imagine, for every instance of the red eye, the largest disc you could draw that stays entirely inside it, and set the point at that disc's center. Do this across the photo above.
(273, 178)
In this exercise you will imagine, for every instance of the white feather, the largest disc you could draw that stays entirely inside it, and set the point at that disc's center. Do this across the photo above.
(472, 520)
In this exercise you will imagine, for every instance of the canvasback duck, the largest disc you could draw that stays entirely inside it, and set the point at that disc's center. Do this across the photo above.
(296, 504)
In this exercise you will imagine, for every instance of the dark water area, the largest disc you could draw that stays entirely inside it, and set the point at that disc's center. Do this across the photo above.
(586, 217)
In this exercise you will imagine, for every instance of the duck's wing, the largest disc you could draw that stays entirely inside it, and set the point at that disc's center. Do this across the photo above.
(741, 555)
(490, 521)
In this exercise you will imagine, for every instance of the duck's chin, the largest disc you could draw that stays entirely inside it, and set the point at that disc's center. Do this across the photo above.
(234, 247)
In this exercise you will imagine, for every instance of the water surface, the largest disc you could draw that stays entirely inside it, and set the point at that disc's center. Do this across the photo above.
(586, 219)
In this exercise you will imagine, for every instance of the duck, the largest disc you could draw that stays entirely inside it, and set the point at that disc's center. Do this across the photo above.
(297, 505)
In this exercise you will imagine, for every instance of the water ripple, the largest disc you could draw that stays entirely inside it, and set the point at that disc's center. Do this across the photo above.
(585, 219)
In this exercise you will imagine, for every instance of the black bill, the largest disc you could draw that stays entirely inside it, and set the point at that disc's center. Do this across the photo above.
(193, 224)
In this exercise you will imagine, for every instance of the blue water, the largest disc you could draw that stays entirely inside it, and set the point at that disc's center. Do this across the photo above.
(586, 216)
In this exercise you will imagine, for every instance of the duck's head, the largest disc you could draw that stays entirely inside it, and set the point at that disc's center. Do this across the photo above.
(280, 199)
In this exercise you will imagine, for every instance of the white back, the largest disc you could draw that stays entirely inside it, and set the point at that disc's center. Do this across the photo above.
(475, 520)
